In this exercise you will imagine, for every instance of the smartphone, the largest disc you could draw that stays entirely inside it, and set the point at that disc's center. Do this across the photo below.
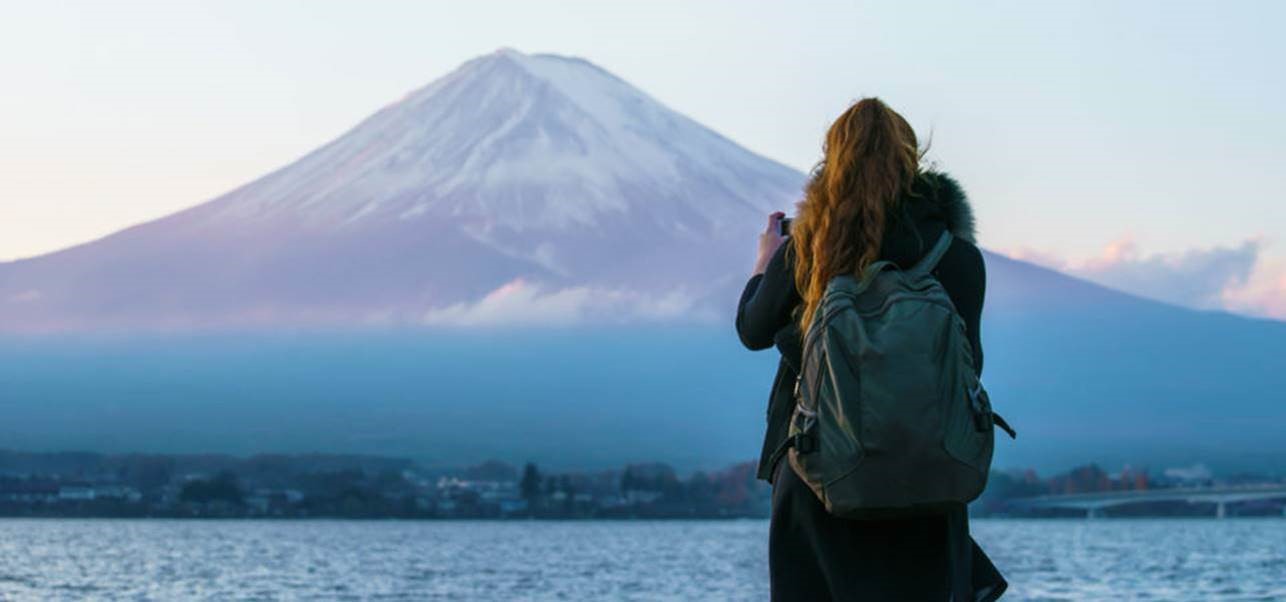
(783, 226)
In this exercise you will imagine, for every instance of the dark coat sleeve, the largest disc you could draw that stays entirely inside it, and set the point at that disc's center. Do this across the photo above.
(768, 302)
(975, 315)
(963, 273)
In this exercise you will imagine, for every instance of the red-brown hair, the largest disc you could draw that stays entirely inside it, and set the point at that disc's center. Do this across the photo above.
(870, 157)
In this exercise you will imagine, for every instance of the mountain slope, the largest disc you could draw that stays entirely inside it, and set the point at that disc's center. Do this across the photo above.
(541, 170)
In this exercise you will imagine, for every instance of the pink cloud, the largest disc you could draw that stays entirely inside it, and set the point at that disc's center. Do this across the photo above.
(1236, 278)
(1263, 294)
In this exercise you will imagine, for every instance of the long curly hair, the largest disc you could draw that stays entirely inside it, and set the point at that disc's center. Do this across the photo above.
(870, 157)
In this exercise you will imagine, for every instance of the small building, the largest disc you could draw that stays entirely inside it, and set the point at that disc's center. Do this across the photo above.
(272, 501)
(76, 492)
(513, 505)
(642, 496)
(28, 491)
(117, 492)
(257, 503)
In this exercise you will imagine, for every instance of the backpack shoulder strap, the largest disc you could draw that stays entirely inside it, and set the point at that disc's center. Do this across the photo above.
(931, 259)
(871, 271)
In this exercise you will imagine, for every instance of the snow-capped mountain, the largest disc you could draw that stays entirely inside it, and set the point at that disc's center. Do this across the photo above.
(517, 180)
(523, 143)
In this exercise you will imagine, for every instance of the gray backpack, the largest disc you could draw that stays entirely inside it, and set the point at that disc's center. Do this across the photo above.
(890, 414)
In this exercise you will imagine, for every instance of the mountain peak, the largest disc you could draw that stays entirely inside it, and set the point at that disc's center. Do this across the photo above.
(594, 90)
(523, 142)
(537, 62)
(504, 55)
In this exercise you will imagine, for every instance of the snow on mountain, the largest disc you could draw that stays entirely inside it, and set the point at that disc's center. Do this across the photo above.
(514, 174)
(523, 143)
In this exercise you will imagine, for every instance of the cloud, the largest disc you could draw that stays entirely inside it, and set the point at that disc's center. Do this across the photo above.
(1234, 278)
(520, 302)
(1195, 278)
(1196, 472)
(27, 296)
(1264, 294)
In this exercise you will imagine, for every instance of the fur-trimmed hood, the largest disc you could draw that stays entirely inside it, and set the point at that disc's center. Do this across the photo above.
(936, 202)
(945, 192)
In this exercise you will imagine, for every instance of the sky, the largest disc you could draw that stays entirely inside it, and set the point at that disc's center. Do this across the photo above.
(1135, 144)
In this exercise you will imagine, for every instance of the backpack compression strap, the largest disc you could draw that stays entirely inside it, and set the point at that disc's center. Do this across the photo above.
(931, 259)
(926, 264)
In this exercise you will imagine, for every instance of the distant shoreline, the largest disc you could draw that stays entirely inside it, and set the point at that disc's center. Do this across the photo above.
(336, 486)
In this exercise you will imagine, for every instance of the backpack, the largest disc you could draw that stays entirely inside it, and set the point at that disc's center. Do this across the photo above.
(890, 415)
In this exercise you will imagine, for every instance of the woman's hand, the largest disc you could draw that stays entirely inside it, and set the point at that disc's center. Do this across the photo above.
(769, 241)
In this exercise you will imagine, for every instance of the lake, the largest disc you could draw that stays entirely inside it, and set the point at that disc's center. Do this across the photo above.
(57, 559)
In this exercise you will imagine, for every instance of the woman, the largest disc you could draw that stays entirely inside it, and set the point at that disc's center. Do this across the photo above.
(868, 199)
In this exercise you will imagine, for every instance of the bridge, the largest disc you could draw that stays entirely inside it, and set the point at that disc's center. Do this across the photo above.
(1094, 503)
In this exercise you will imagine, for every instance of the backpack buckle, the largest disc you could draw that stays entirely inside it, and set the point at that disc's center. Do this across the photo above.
(805, 443)
(980, 403)
(982, 421)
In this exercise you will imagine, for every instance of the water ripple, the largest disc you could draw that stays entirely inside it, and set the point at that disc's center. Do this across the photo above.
(1241, 559)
